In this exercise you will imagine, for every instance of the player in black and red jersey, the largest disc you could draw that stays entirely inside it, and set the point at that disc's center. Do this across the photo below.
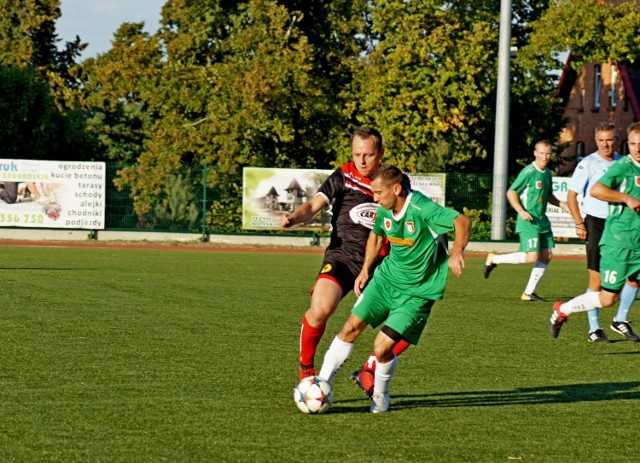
(349, 191)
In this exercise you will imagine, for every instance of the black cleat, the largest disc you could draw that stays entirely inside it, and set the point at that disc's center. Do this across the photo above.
(624, 329)
(598, 336)
(533, 297)
(489, 265)
(557, 320)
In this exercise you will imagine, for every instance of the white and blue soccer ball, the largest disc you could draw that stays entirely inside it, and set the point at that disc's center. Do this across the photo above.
(313, 395)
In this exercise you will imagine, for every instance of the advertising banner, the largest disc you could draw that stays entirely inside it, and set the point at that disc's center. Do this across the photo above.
(52, 194)
(562, 223)
(270, 192)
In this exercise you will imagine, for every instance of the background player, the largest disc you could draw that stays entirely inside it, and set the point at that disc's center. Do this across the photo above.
(590, 228)
(620, 243)
(529, 195)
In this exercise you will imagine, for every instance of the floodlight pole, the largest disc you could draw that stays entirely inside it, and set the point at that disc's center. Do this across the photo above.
(501, 144)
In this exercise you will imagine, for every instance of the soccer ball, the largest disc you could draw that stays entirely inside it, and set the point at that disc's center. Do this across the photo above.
(313, 395)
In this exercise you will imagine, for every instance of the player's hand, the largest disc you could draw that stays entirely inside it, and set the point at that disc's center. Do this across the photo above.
(456, 262)
(633, 203)
(526, 216)
(360, 283)
(285, 221)
(581, 231)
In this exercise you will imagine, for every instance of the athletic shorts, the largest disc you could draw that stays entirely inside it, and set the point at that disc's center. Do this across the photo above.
(533, 242)
(404, 314)
(616, 265)
(595, 227)
(343, 273)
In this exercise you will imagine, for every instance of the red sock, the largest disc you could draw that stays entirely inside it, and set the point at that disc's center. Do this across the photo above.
(398, 349)
(309, 339)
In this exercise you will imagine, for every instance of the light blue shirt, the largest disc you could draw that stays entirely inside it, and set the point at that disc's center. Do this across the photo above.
(587, 173)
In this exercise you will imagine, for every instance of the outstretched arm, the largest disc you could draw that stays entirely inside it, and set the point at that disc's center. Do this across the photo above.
(304, 212)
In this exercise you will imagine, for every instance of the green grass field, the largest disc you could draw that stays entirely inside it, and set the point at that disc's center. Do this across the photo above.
(141, 355)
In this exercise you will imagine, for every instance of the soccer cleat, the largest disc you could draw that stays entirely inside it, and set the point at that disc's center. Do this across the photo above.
(624, 329)
(380, 403)
(306, 371)
(557, 320)
(533, 297)
(489, 265)
(598, 336)
(364, 379)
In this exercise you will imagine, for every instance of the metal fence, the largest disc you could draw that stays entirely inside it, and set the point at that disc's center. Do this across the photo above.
(184, 205)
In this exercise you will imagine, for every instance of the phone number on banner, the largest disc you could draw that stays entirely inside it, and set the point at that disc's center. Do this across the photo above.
(21, 219)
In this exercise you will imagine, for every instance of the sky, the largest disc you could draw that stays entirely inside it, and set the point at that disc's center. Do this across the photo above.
(95, 21)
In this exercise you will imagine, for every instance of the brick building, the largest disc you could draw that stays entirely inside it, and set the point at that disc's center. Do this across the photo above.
(597, 93)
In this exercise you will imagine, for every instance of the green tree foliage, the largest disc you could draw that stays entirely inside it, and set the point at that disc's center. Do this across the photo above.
(592, 31)
(31, 126)
(430, 82)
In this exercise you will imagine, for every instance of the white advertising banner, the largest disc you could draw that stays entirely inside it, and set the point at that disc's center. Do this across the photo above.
(562, 223)
(52, 194)
(270, 192)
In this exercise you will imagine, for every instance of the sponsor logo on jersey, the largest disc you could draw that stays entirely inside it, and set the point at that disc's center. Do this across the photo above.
(364, 214)
(387, 224)
(411, 227)
(402, 241)
(539, 185)
(326, 269)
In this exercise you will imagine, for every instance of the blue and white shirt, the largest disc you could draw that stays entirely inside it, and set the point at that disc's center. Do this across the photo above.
(587, 173)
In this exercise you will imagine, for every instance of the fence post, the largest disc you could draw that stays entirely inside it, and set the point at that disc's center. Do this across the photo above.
(204, 203)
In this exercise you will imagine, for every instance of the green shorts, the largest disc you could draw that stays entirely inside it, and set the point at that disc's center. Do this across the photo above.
(616, 265)
(404, 314)
(533, 241)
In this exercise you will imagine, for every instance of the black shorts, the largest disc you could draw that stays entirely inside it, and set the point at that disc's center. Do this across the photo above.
(595, 227)
(342, 272)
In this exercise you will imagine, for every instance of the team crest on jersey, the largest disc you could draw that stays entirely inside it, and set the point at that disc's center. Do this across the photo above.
(387, 224)
(327, 268)
(637, 180)
(539, 185)
(411, 227)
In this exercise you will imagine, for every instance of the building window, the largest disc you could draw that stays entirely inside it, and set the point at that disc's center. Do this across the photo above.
(597, 85)
(583, 99)
(613, 92)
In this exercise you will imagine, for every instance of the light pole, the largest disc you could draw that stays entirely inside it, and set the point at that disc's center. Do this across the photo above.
(501, 143)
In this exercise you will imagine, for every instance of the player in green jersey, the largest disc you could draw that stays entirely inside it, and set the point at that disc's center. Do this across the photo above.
(529, 195)
(620, 242)
(408, 281)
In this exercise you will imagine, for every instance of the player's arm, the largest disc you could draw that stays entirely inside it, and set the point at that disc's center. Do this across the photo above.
(574, 210)
(605, 193)
(374, 245)
(304, 212)
(561, 204)
(462, 226)
(514, 200)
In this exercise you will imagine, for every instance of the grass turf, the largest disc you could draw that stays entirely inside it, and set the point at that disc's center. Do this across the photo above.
(174, 355)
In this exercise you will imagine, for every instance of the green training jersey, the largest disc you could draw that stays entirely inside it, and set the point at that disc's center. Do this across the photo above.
(417, 263)
(622, 228)
(533, 187)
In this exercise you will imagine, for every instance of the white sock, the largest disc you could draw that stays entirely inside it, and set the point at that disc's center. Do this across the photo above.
(582, 303)
(536, 275)
(513, 258)
(384, 374)
(338, 353)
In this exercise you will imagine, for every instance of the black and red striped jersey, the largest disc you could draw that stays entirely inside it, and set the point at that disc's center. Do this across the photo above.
(353, 212)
